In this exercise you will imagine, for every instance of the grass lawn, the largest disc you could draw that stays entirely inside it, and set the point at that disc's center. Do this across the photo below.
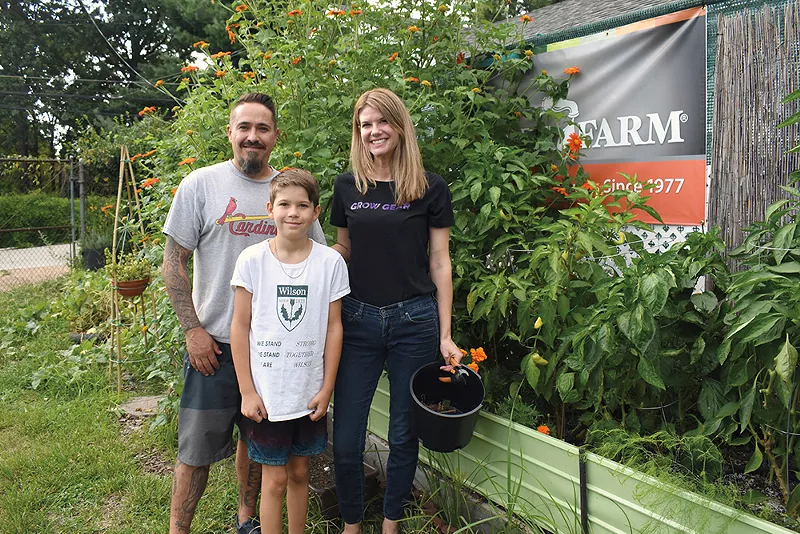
(71, 462)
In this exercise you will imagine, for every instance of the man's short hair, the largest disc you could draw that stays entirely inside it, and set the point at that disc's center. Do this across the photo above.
(258, 98)
(295, 177)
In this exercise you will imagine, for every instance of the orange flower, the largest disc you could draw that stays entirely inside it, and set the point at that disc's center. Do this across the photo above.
(148, 154)
(518, 114)
(459, 58)
(463, 352)
(189, 68)
(354, 12)
(473, 366)
(220, 73)
(526, 18)
(231, 26)
(185, 80)
(544, 429)
(572, 70)
(150, 182)
(413, 29)
(267, 54)
(146, 110)
(219, 55)
(106, 207)
(426, 83)
(553, 167)
(159, 83)
(248, 75)
(588, 186)
(231, 37)
(174, 190)
(478, 355)
(200, 44)
(528, 54)
(392, 57)
(476, 90)
(443, 9)
(189, 132)
(284, 169)
(297, 60)
(295, 12)
(298, 155)
(574, 143)
(336, 13)
(187, 161)
(241, 8)
(411, 79)
(560, 190)
(332, 62)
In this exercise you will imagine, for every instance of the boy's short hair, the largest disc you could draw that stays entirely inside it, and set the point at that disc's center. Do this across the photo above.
(295, 177)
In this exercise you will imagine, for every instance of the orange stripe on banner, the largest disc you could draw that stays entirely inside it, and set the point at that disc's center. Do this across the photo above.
(671, 18)
(678, 191)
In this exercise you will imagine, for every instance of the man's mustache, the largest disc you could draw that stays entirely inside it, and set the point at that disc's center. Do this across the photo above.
(252, 144)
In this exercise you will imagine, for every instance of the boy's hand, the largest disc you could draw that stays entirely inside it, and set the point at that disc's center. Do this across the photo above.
(319, 404)
(253, 407)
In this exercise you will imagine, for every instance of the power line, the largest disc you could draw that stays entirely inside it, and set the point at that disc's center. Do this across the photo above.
(88, 97)
(77, 80)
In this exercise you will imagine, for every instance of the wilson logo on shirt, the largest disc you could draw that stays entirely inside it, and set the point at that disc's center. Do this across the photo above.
(291, 305)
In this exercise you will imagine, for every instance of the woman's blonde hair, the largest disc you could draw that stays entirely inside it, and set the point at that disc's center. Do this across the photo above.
(406, 168)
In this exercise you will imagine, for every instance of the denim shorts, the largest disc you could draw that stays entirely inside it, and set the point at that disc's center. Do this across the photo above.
(271, 443)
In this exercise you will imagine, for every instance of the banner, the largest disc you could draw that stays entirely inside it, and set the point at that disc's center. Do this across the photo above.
(640, 97)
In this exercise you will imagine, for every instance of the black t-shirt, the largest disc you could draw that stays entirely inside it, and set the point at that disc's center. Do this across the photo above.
(389, 243)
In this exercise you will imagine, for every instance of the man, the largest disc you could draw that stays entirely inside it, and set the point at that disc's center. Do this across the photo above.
(217, 212)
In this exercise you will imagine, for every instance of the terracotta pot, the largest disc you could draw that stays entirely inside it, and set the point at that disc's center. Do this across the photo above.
(132, 288)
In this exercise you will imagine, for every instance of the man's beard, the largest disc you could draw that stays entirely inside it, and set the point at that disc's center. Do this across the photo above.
(251, 165)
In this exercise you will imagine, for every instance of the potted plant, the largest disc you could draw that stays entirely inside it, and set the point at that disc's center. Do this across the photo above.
(93, 246)
(130, 274)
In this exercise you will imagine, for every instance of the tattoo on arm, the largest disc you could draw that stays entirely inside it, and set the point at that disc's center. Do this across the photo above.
(176, 277)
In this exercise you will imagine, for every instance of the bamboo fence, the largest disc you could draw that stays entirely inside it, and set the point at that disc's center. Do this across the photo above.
(756, 66)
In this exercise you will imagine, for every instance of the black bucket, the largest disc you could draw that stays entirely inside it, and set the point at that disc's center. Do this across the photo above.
(437, 429)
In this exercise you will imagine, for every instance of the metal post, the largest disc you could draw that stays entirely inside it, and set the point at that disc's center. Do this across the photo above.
(82, 194)
(582, 480)
(73, 252)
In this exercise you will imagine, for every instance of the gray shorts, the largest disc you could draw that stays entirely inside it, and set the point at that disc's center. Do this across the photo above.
(210, 407)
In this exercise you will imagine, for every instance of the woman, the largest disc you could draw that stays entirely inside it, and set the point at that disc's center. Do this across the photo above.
(393, 223)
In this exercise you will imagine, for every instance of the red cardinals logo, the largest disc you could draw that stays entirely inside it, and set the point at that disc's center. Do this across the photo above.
(243, 225)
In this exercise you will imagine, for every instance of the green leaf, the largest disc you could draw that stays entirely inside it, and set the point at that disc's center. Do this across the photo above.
(786, 361)
(794, 95)
(564, 383)
(746, 406)
(755, 461)
(494, 194)
(649, 373)
(532, 373)
(472, 298)
(638, 326)
(774, 207)
(793, 505)
(654, 291)
(791, 267)
(783, 240)
(698, 348)
(475, 191)
(502, 302)
(704, 302)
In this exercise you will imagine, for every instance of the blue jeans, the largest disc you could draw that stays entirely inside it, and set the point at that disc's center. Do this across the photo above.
(403, 337)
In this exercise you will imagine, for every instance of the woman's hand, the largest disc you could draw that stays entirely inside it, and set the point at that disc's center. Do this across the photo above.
(451, 353)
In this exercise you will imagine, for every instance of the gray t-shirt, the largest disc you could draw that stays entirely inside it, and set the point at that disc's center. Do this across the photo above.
(218, 212)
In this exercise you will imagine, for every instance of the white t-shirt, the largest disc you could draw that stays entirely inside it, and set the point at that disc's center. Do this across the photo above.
(289, 322)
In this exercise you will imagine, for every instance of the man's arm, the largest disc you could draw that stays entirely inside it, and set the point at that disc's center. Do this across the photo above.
(252, 405)
(442, 276)
(201, 346)
(331, 357)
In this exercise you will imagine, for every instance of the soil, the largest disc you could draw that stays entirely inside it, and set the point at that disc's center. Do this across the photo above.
(320, 472)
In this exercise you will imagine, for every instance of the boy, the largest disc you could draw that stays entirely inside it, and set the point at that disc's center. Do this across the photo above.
(286, 339)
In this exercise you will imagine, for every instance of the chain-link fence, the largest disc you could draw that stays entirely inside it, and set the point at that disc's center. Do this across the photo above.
(39, 219)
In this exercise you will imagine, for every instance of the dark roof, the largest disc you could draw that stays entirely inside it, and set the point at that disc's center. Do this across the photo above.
(570, 14)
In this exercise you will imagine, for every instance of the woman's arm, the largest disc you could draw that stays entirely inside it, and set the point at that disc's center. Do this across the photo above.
(342, 245)
(442, 277)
